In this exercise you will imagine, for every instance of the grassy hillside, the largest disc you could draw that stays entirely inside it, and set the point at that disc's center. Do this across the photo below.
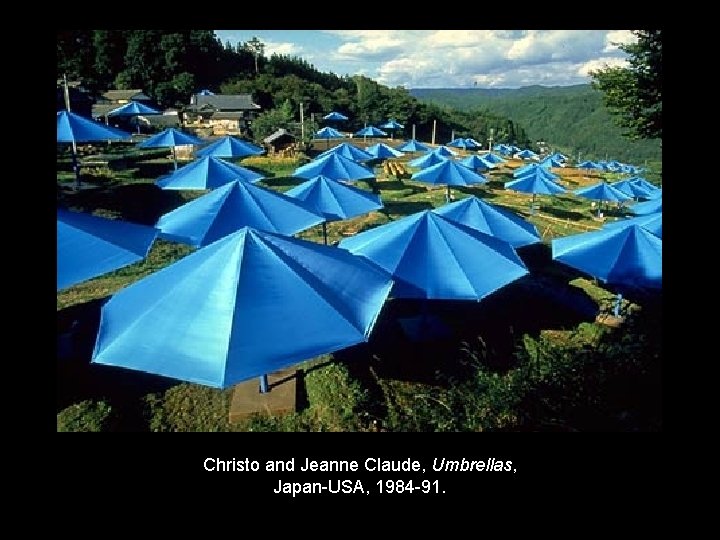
(571, 118)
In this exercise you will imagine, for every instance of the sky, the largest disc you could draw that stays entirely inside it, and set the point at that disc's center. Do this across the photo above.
(449, 58)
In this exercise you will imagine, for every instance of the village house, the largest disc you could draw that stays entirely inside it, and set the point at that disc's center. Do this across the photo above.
(280, 142)
(221, 114)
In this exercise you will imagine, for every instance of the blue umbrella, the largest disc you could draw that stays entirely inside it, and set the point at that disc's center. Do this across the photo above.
(207, 173)
(171, 137)
(492, 158)
(427, 160)
(536, 183)
(466, 144)
(412, 146)
(526, 154)
(602, 192)
(392, 126)
(328, 133)
(73, 128)
(489, 219)
(432, 257)
(650, 222)
(335, 116)
(371, 131)
(334, 200)
(475, 162)
(230, 147)
(89, 246)
(647, 207)
(443, 151)
(534, 168)
(619, 255)
(335, 167)
(590, 165)
(382, 151)
(647, 186)
(349, 151)
(550, 162)
(230, 208)
(631, 189)
(247, 305)
(449, 173)
(205, 92)
(133, 109)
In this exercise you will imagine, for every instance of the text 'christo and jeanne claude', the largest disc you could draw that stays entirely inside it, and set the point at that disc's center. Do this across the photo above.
(371, 464)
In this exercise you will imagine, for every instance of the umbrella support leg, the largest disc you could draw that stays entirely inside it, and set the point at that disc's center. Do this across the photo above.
(618, 302)
(324, 227)
(174, 158)
(532, 204)
(264, 389)
(448, 195)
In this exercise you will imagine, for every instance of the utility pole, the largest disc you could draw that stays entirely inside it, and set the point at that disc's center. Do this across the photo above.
(452, 136)
(433, 131)
(413, 132)
(76, 168)
(490, 139)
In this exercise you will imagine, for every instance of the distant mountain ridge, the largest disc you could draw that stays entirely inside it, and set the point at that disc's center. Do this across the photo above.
(571, 118)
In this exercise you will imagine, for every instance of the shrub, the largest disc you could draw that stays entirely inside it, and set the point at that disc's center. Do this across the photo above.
(86, 416)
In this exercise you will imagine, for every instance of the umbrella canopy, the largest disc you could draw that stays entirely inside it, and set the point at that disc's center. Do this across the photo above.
(249, 304)
(230, 147)
(427, 160)
(591, 165)
(133, 108)
(647, 207)
(647, 186)
(432, 257)
(443, 151)
(72, 127)
(625, 255)
(382, 151)
(205, 92)
(412, 146)
(335, 167)
(550, 162)
(89, 246)
(335, 116)
(489, 219)
(171, 137)
(232, 207)
(371, 131)
(475, 162)
(449, 173)
(207, 173)
(532, 169)
(328, 133)
(527, 154)
(349, 151)
(492, 158)
(467, 144)
(651, 222)
(602, 192)
(391, 124)
(632, 190)
(535, 183)
(558, 156)
(334, 200)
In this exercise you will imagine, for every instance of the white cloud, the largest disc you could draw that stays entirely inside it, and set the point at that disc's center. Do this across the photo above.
(601, 63)
(618, 36)
(285, 47)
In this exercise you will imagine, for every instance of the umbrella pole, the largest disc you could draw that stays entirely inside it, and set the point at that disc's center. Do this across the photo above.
(532, 204)
(447, 194)
(264, 389)
(174, 158)
(324, 227)
(75, 166)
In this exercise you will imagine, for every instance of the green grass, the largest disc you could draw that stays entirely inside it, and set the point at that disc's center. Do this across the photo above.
(348, 391)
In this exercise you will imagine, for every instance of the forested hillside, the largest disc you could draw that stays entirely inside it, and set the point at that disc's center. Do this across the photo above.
(169, 65)
(572, 118)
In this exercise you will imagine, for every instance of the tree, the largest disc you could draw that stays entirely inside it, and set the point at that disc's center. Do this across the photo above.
(634, 94)
(256, 47)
